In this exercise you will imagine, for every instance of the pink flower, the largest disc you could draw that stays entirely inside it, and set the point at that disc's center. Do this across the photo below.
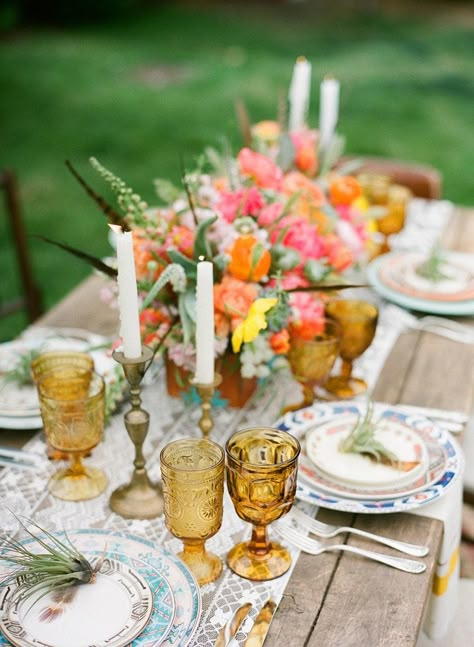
(246, 202)
(269, 214)
(300, 235)
(307, 315)
(261, 169)
(338, 255)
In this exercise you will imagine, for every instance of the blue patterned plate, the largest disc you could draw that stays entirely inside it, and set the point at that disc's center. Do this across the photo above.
(303, 421)
(177, 599)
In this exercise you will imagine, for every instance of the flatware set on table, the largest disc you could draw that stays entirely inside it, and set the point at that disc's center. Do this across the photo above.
(257, 633)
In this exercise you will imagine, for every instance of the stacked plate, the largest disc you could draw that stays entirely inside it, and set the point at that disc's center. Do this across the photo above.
(395, 277)
(429, 459)
(19, 406)
(143, 596)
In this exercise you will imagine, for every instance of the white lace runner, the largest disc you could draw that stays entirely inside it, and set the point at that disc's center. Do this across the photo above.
(26, 492)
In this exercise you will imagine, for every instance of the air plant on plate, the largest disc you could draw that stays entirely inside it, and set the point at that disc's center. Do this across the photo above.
(58, 569)
(362, 440)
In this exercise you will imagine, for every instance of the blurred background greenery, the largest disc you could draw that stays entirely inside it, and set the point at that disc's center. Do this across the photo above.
(141, 84)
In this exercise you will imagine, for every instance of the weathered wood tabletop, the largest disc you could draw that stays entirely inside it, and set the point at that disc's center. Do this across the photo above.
(335, 599)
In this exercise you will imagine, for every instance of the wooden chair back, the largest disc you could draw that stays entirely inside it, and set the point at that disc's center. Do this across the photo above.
(30, 300)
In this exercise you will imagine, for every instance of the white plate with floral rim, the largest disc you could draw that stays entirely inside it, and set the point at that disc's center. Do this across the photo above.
(19, 406)
(300, 422)
(431, 466)
(109, 612)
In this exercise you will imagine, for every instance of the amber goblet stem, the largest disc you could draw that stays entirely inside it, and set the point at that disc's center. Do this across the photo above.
(346, 368)
(139, 499)
(76, 466)
(259, 544)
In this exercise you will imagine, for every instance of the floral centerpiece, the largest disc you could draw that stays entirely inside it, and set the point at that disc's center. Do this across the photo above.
(277, 239)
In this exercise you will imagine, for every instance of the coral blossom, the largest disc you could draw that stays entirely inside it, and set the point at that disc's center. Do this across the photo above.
(280, 342)
(232, 301)
(261, 169)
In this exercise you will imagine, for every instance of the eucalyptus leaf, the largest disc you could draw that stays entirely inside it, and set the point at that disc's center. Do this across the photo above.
(188, 265)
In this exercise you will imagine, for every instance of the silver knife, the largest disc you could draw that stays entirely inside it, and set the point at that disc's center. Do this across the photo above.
(231, 627)
(261, 625)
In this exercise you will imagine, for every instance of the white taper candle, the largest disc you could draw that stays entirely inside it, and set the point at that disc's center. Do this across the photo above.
(300, 88)
(328, 110)
(128, 294)
(204, 323)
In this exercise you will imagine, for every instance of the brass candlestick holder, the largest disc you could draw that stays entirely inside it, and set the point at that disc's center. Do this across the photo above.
(139, 499)
(206, 391)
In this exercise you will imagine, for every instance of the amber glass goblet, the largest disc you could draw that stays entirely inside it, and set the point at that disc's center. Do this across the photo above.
(192, 472)
(73, 412)
(262, 465)
(71, 364)
(393, 222)
(311, 360)
(358, 321)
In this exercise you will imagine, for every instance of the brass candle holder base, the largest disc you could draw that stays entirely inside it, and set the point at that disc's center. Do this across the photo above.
(139, 499)
(206, 391)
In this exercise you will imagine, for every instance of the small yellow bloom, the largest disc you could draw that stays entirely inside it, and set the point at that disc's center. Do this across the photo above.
(361, 203)
(254, 322)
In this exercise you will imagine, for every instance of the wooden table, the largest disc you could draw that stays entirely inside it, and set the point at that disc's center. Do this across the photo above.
(337, 600)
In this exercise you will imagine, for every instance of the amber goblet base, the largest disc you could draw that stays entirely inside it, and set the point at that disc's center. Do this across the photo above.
(251, 565)
(345, 387)
(77, 482)
(205, 566)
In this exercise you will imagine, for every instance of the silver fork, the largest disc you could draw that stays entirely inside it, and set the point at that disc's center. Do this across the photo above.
(327, 531)
(314, 547)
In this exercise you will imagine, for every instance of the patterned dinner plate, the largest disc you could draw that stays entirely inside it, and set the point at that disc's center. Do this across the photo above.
(111, 612)
(417, 445)
(399, 272)
(19, 406)
(301, 422)
(393, 277)
(177, 599)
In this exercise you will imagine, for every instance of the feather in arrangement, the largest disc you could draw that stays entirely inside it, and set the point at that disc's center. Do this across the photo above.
(57, 568)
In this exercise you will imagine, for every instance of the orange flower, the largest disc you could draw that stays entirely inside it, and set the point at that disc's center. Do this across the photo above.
(339, 255)
(295, 181)
(280, 342)
(344, 190)
(250, 261)
(232, 301)
(307, 328)
(144, 251)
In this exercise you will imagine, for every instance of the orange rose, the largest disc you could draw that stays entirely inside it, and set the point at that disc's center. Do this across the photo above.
(344, 190)
(250, 261)
(280, 342)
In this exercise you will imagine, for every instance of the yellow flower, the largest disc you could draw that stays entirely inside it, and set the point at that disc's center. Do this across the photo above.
(361, 203)
(255, 322)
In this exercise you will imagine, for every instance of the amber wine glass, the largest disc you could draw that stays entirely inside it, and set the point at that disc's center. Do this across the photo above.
(73, 412)
(192, 472)
(394, 220)
(358, 321)
(262, 465)
(311, 360)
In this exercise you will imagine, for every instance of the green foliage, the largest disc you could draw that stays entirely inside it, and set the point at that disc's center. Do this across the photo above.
(139, 94)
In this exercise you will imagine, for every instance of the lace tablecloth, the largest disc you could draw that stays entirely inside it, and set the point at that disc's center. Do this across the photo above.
(27, 492)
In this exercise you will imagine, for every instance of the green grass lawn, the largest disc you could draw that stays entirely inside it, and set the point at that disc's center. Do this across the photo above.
(141, 93)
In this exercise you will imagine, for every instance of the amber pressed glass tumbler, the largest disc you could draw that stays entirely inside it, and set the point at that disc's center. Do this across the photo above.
(311, 360)
(192, 473)
(73, 418)
(358, 322)
(394, 220)
(262, 465)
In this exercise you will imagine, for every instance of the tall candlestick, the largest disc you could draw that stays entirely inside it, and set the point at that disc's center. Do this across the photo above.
(300, 88)
(328, 110)
(128, 294)
(204, 324)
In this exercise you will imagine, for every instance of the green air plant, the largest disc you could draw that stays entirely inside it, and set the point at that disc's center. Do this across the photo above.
(431, 268)
(58, 569)
(20, 373)
(362, 440)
